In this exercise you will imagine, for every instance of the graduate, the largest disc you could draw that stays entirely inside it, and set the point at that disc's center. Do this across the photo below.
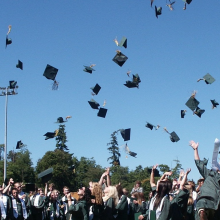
(137, 187)
(208, 200)
(18, 205)
(6, 211)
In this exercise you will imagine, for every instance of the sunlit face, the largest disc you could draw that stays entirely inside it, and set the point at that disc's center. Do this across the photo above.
(137, 185)
(18, 187)
(65, 191)
(80, 193)
(15, 193)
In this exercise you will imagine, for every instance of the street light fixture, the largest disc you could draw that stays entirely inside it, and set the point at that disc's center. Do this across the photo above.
(10, 90)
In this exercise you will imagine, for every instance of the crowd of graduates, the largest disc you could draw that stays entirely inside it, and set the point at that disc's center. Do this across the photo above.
(176, 199)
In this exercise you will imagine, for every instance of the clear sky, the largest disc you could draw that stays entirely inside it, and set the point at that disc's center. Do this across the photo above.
(169, 54)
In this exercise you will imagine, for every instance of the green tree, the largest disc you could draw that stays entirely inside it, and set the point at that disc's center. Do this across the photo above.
(61, 162)
(176, 169)
(114, 150)
(163, 168)
(61, 138)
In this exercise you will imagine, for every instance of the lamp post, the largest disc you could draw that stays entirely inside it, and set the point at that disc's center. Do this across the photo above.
(6, 91)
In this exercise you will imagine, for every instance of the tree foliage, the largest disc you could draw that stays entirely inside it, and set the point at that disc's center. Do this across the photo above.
(61, 138)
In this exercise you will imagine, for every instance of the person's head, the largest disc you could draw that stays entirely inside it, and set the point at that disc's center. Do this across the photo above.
(54, 194)
(111, 192)
(164, 187)
(18, 187)
(51, 187)
(125, 191)
(97, 192)
(137, 184)
(81, 193)
(191, 185)
(14, 193)
(1, 189)
(201, 181)
(150, 195)
(119, 190)
(41, 191)
(66, 190)
(87, 195)
(139, 197)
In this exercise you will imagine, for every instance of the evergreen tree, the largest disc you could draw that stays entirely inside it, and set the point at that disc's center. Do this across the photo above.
(114, 150)
(61, 138)
(176, 169)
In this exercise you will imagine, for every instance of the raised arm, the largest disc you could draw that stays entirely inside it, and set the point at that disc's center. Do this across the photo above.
(152, 181)
(195, 146)
(101, 178)
(182, 183)
(215, 164)
(45, 190)
(108, 177)
(165, 175)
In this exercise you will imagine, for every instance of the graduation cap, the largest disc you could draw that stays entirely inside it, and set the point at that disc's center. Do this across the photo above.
(136, 78)
(125, 133)
(132, 154)
(123, 42)
(131, 84)
(50, 72)
(187, 1)
(12, 84)
(173, 136)
(89, 69)
(183, 112)
(94, 104)
(214, 104)
(207, 78)
(127, 150)
(192, 103)
(158, 11)
(170, 5)
(148, 125)
(120, 58)
(19, 65)
(102, 112)
(30, 187)
(46, 175)
(96, 89)
(199, 112)
(19, 145)
(60, 120)
(51, 134)
(8, 41)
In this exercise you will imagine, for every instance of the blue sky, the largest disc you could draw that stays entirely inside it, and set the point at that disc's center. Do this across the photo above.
(169, 54)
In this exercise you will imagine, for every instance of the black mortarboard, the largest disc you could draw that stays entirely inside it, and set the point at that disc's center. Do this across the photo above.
(123, 42)
(120, 58)
(131, 84)
(102, 112)
(188, 1)
(60, 120)
(207, 78)
(50, 72)
(214, 103)
(199, 112)
(132, 154)
(19, 65)
(183, 112)
(158, 11)
(192, 103)
(49, 135)
(88, 69)
(19, 145)
(12, 84)
(96, 89)
(29, 187)
(94, 104)
(8, 41)
(148, 125)
(136, 79)
(46, 175)
(125, 133)
(174, 137)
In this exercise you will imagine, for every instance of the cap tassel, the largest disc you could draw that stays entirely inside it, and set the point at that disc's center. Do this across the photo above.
(157, 127)
(55, 85)
(9, 29)
(104, 103)
(116, 41)
(92, 65)
(118, 52)
(193, 94)
(165, 129)
(68, 117)
(184, 8)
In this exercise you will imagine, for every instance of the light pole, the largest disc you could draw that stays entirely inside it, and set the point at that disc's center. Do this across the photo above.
(10, 90)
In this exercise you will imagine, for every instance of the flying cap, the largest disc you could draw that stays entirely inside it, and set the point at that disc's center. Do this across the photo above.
(183, 112)
(158, 11)
(148, 125)
(60, 120)
(96, 89)
(214, 103)
(50, 135)
(125, 133)
(192, 103)
(131, 84)
(88, 69)
(123, 42)
(50, 72)
(94, 104)
(120, 58)
(207, 78)
(136, 78)
(187, 1)
(19, 145)
(132, 154)
(29, 187)
(199, 112)
(102, 112)
(19, 65)
(12, 84)
(46, 175)
(8, 41)
(174, 137)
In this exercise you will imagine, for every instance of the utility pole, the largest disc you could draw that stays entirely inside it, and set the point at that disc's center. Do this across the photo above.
(6, 91)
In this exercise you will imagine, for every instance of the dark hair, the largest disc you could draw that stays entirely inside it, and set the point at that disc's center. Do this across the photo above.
(87, 196)
(120, 190)
(164, 188)
(138, 182)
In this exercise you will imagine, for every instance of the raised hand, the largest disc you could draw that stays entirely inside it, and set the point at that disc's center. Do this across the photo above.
(194, 145)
